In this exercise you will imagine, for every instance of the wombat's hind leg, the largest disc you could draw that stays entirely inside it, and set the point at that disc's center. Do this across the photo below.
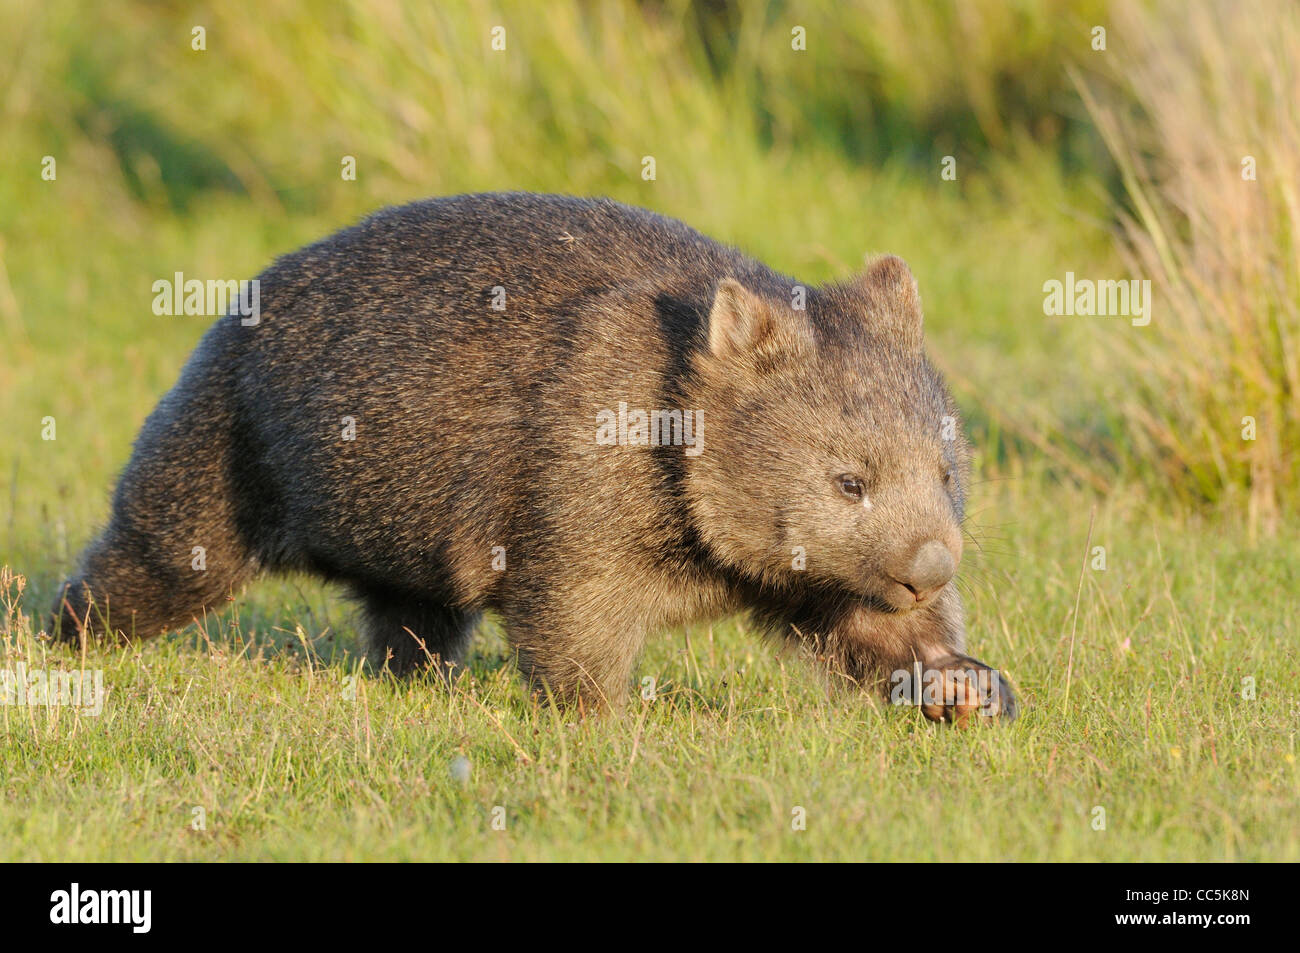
(133, 586)
(407, 633)
(175, 546)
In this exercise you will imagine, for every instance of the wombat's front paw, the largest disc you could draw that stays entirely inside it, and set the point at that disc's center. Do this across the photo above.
(965, 691)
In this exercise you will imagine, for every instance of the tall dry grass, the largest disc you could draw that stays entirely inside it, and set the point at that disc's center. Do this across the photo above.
(1195, 95)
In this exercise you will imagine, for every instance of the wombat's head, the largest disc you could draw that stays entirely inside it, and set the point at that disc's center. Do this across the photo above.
(834, 455)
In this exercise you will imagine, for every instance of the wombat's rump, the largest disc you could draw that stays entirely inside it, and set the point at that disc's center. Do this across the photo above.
(586, 417)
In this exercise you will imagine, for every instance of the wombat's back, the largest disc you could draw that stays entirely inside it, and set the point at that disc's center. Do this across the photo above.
(399, 419)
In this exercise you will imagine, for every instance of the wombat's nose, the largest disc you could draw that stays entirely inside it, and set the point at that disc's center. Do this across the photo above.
(930, 568)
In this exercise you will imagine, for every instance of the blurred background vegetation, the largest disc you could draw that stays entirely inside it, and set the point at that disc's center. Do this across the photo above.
(1111, 163)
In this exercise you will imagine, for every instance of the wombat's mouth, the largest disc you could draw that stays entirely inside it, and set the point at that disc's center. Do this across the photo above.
(892, 597)
(878, 603)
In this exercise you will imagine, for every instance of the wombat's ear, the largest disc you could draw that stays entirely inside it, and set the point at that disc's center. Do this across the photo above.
(894, 300)
(742, 323)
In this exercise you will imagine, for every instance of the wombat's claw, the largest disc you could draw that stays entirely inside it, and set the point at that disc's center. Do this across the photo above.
(965, 692)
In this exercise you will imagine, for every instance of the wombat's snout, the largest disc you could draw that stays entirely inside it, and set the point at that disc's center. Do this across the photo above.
(925, 572)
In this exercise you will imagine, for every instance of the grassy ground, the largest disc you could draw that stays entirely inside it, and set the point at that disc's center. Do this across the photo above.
(290, 755)
(1161, 689)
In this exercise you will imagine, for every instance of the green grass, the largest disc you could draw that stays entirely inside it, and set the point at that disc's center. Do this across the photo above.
(293, 756)
(1135, 703)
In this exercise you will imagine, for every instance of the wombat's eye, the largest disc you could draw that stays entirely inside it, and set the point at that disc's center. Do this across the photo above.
(852, 487)
(949, 478)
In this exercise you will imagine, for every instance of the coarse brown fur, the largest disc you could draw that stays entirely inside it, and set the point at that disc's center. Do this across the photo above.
(827, 456)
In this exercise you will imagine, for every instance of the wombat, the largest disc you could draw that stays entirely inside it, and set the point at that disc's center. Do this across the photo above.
(586, 417)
